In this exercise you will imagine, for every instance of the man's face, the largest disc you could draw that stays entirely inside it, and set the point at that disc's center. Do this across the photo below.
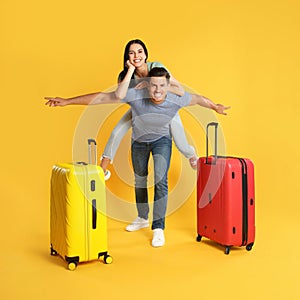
(158, 87)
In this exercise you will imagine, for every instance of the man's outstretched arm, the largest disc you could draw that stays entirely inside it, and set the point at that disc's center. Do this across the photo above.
(205, 102)
(88, 99)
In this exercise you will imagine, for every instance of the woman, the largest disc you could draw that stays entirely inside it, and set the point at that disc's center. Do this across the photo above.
(135, 63)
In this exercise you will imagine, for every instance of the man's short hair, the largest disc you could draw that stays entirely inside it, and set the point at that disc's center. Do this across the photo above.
(159, 72)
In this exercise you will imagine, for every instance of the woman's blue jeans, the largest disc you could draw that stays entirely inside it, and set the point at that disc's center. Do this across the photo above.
(161, 150)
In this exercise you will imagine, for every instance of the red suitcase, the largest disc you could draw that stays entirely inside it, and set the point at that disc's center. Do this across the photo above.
(225, 199)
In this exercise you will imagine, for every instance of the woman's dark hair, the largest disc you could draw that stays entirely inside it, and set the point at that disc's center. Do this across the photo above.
(126, 57)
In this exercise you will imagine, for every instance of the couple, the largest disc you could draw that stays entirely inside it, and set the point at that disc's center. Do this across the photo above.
(154, 110)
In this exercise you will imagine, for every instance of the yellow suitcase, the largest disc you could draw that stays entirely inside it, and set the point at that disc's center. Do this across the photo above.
(78, 225)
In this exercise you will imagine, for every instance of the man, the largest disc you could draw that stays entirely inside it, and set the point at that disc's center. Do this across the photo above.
(152, 110)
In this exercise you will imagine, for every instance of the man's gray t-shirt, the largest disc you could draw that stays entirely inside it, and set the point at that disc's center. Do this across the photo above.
(151, 121)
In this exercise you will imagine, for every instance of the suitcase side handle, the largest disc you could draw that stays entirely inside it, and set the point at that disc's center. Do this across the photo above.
(212, 124)
(94, 213)
(91, 143)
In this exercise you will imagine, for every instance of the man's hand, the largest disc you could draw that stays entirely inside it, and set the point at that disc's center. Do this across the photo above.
(57, 101)
(220, 109)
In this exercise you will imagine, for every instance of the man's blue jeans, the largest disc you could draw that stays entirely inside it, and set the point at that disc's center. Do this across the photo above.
(161, 150)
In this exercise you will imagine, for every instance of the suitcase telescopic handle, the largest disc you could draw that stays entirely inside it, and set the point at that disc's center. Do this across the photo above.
(91, 143)
(212, 124)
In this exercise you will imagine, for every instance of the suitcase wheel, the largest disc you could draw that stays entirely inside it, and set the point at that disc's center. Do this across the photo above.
(227, 250)
(199, 237)
(249, 247)
(72, 265)
(53, 252)
(108, 259)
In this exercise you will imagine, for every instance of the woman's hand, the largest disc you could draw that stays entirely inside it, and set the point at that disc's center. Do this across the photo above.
(129, 65)
(142, 85)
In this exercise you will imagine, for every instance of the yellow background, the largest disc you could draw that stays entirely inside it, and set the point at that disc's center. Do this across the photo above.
(240, 53)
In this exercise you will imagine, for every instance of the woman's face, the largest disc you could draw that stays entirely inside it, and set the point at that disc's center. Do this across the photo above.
(137, 55)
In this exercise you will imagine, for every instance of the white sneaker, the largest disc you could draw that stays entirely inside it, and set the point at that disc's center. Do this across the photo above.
(137, 224)
(107, 175)
(158, 237)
